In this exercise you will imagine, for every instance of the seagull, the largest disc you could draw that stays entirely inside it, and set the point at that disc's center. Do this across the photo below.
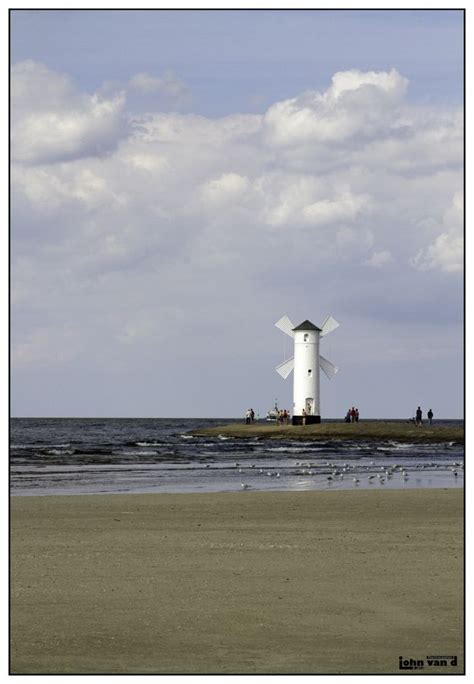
(244, 485)
(355, 480)
(278, 474)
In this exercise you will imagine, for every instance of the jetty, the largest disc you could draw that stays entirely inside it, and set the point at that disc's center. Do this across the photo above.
(363, 430)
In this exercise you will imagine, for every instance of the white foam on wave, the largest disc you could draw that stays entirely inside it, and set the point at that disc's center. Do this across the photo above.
(187, 437)
(137, 453)
(291, 450)
(36, 446)
(60, 452)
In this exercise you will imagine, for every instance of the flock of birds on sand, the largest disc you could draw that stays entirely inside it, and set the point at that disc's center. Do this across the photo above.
(339, 472)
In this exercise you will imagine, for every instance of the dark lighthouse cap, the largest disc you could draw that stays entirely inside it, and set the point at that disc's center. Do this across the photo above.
(306, 325)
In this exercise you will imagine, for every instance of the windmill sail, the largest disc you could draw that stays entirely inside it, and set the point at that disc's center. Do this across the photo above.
(285, 325)
(285, 368)
(329, 325)
(329, 368)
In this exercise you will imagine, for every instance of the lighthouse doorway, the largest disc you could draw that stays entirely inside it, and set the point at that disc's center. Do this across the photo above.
(309, 406)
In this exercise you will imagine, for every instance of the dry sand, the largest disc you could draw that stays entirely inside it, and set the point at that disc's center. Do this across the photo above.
(285, 582)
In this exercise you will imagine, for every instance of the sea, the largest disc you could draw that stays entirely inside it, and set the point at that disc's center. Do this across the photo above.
(67, 456)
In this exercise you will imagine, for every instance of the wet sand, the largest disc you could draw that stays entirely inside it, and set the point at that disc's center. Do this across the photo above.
(403, 432)
(249, 583)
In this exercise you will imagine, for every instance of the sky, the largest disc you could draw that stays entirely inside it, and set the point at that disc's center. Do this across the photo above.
(182, 179)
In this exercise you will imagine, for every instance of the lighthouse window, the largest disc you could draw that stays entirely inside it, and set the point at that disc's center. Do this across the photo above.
(309, 371)
(306, 337)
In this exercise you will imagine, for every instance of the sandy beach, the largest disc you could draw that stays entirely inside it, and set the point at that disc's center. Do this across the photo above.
(251, 583)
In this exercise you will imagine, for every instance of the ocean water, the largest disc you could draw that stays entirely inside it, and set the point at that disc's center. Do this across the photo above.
(119, 455)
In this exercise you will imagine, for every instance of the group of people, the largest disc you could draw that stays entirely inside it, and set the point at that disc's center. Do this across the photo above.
(352, 415)
(418, 419)
(249, 416)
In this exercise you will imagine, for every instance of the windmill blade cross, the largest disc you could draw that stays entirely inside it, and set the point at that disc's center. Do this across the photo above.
(286, 326)
(285, 368)
(329, 325)
(329, 368)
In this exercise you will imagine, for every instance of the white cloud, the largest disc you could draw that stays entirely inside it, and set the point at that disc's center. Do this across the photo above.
(144, 161)
(198, 216)
(52, 122)
(48, 188)
(389, 83)
(356, 104)
(446, 252)
(197, 130)
(35, 88)
(281, 197)
(379, 258)
(345, 207)
(225, 188)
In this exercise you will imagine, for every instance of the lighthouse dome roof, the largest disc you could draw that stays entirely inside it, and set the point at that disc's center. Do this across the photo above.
(306, 325)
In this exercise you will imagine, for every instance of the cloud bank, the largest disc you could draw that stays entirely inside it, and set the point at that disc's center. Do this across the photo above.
(134, 232)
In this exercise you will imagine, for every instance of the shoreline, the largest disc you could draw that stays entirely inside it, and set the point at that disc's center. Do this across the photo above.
(369, 430)
(444, 485)
(251, 583)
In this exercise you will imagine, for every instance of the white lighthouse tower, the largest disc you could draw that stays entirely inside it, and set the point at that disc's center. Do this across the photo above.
(306, 363)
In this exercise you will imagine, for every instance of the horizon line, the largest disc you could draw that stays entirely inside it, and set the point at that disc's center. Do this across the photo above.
(262, 419)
